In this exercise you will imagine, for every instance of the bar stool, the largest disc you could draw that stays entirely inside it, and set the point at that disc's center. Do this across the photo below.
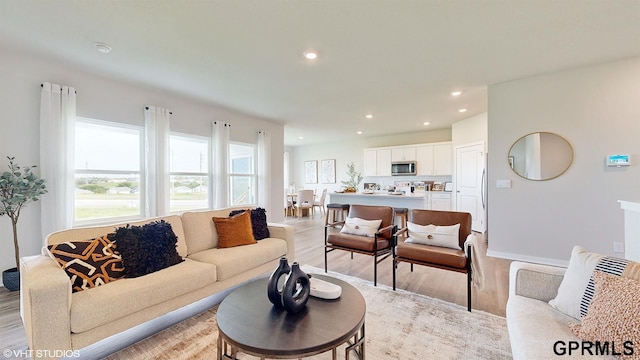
(334, 210)
(403, 214)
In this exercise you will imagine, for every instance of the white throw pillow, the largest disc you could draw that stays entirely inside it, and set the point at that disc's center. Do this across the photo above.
(575, 281)
(435, 235)
(357, 226)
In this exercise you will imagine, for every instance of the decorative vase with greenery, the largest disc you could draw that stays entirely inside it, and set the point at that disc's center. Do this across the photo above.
(18, 187)
(355, 178)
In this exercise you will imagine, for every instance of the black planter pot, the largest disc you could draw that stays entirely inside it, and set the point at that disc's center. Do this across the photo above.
(11, 279)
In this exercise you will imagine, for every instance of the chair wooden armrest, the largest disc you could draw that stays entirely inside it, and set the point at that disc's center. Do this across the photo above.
(384, 229)
(399, 232)
(334, 224)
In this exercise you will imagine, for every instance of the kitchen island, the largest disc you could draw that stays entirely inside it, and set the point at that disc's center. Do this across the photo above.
(431, 200)
(409, 201)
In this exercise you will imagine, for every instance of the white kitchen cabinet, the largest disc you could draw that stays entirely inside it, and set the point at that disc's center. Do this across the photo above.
(442, 159)
(377, 162)
(436, 159)
(370, 162)
(404, 153)
(440, 201)
(383, 162)
(424, 160)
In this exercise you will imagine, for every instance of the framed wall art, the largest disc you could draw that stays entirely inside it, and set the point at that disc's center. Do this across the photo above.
(311, 172)
(328, 171)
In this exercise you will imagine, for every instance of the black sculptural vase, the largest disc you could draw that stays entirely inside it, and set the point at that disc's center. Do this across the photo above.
(276, 282)
(296, 291)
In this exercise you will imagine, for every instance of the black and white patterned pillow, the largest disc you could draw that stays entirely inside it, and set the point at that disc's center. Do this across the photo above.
(88, 263)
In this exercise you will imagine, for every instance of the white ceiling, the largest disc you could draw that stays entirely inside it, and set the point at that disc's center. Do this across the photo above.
(398, 60)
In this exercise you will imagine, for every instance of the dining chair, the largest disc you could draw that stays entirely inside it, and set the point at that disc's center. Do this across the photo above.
(319, 203)
(304, 201)
(288, 204)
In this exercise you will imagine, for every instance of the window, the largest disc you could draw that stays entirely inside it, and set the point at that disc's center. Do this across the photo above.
(242, 174)
(108, 175)
(189, 166)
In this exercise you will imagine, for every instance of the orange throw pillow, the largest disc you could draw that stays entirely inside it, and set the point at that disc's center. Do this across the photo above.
(234, 231)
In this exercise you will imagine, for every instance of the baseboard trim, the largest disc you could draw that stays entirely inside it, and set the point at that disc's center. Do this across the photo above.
(527, 258)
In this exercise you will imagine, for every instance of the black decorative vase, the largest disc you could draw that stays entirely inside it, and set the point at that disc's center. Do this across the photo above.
(276, 282)
(11, 279)
(296, 291)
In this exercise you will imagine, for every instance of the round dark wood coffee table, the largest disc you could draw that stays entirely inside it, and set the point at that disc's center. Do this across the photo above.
(249, 323)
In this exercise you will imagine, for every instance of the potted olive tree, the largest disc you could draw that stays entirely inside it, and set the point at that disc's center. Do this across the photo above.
(18, 187)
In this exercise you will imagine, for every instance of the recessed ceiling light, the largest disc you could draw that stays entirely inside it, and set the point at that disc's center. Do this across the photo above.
(311, 54)
(426, 123)
(359, 132)
(103, 48)
(456, 93)
(462, 110)
(301, 137)
(369, 116)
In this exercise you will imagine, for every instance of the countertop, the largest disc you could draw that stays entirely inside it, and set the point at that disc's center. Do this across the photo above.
(417, 196)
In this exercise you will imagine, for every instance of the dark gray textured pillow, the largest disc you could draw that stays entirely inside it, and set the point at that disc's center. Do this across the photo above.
(147, 248)
(258, 222)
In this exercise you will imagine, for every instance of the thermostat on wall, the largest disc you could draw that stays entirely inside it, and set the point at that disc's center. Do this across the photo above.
(618, 160)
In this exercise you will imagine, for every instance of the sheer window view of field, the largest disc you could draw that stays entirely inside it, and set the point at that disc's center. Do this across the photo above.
(109, 179)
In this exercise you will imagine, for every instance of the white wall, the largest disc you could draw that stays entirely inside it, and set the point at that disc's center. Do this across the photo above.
(352, 151)
(469, 131)
(107, 99)
(597, 110)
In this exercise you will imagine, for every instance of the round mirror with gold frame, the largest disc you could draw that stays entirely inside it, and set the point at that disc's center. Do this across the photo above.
(540, 156)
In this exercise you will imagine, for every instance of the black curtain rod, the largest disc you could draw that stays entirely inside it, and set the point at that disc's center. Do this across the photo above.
(170, 112)
(42, 85)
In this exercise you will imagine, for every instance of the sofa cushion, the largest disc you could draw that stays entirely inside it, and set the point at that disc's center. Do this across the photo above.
(614, 314)
(84, 233)
(147, 248)
(88, 263)
(577, 288)
(535, 328)
(236, 260)
(103, 304)
(258, 222)
(234, 230)
(200, 230)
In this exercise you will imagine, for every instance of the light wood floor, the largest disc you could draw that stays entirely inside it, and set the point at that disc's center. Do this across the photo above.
(309, 234)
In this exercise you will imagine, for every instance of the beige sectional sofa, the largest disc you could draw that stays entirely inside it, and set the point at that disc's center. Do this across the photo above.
(537, 331)
(57, 319)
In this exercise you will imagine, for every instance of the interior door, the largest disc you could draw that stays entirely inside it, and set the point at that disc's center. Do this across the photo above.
(470, 183)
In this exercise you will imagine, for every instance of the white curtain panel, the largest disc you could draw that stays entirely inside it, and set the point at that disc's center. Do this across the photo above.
(218, 184)
(156, 126)
(57, 129)
(264, 170)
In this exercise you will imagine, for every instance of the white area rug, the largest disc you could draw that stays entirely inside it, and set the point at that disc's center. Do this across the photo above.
(399, 325)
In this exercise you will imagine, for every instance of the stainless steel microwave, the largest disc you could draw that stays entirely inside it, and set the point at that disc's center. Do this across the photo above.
(403, 168)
